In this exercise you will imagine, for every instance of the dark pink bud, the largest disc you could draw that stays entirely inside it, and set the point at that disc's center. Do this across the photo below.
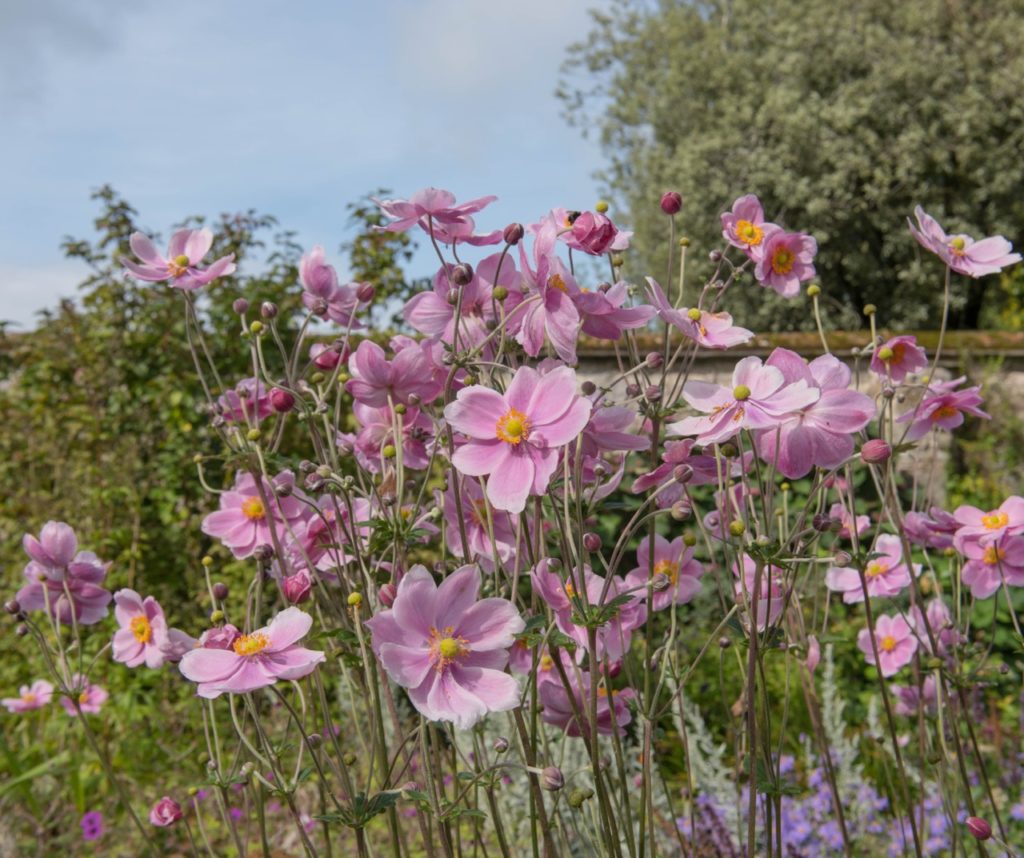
(614, 669)
(671, 202)
(240, 305)
(220, 591)
(365, 292)
(462, 274)
(875, 451)
(386, 594)
(552, 779)
(12, 607)
(683, 473)
(980, 829)
(165, 812)
(513, 233)
(268, 309)
(281, 400)
(588, 388)
(593, 233)
(323, 356)
(297, 587)
(591, 541)
(220, 638)
(654, 360)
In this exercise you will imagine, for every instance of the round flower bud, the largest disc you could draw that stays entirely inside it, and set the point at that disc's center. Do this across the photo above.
(654, 360)
(681, 510)
(21, 630)
(240, 305)
(671, 202)
(500, 293)
(165, 812)
(348, 758)
(875, 451)
(453, 297)
(12, 607)
(813, 291)
(653, 393)
(870, 309)
(979, 829)
(724, 642)
(500, 745)
(601, 206)
(263, 551)
(314, 740)
(216, 616)
(843, 558)
(588, 388)
(554, 564)
(689, 539)
(578, 796)
(256, 326)
(684, 242)
(591, 541)
(552, 779)
(618, 261)
(253, 435)
(354, 600)
(207, 561)
(513, 233)
(785, 487)
(365, 292)
(281, 400)
(730, 451)
(715, 256)
(885, 353)
(888, 392)
(297, 587)
(386, 594)
(388, 451)
(660, 582)
(268, 309)
(682, 473)
(633, 390)
(320, 307)
(737, 528)
(821, 522)
(220, 591)
(462, 274)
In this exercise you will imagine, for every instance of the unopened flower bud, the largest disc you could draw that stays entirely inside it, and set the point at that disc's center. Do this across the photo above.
(354, 600)
(588, 388)
(216, 616)
(601, 206)
(386, 594)
(461, 274)
(715, 256)
(870, 309)
(256, 326)
(500, 745)
(552, 779)
(320, 307)
(297, 587)
(843, 558)
(682, 473)
(813, 291)
(554, 564)
(591, 541)
(263, 551)
(513, 233)
(653, 393)
(979, 829)
(888, 392)
(671, 202)
(500, 293)
(618, 261)
(724, 642)
(654, 360)
(281, 400)
(268, 310)
(220, 591)
(578, 796)
(737, 528)
(875, 451)
(633, 390)
(600, 469)
(660, 582)
(400, 408)
(729, 451)
(314, 740)
(240, 306)
(348, 758)
(253, 435)
(681, 510)
(365, 292)
(21, 630)
(821, 522)
(684, 242)
(12, 607)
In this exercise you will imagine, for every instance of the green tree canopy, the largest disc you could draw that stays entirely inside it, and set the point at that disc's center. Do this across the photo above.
(840, 116)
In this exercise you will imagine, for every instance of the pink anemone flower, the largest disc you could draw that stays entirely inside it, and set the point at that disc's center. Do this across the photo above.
(711, 330)
(244, 520)
(760, 398)
(932, 530)
(943, 408)
(430, 206)
(896, 644)
(180, 266)
(860, 523)
(961, 252)
(612, 704)
(144, 636)
(745, 227)
(604, 315)
(515, 437)
(987, 566)
(703, 471)
(676, 562)
(377, 431)
(375, 379)
(55, 547)
(898, 357)
(988, 527)
(886, 575)
(90, 697)
(34, 696)
(448, 647)
(769, 602)
(821, 433)
(254, 660)
(250, 399)
(474, 522)
(320, 283)
(787, 261)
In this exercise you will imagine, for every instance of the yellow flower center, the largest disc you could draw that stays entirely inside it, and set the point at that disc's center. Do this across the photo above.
(783, 260)
(546, 663)
(667, 568)
(876, 568)
(693, 314)
(141, 629)
(178, 265)
(957, 245)
(995, 520)
(993, 555)
(29, 698)
(251, 644)
(888, 643)
(446, 647)
(83, 697)
(253, 509)
(555, 281)
(570, 591)
(944, 411)
(513, 427)
(741, 393)
(749, 233)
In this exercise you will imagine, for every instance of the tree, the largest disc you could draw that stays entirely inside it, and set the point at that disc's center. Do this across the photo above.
(841, 117)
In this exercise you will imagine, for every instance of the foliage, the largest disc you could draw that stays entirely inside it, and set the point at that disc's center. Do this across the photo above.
(844, 119)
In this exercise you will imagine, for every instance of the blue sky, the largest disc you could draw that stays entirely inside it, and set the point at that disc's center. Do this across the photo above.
(292, 108)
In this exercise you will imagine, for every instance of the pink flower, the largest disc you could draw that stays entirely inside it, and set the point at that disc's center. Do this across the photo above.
(92, 825)
(769, 601)
(515, 437)
(327, 357)
(448, 647)
(676, 562)
(745, 227)
(760, 398)
(711, 330)
(614, 636)
(604, 314)
(909, 698)
(90, 697)
(180, 266)
(244, 520)
(787, 261)
(886, 574)
(934, 530)
(378, 431)
(593, 233)
(813, 654)
(34, 696)
(249, 400)
(298, 587)
(941, 623)
(988, 565)
(320, 283)
(433, 313)
(821, 433)
(254, 660)
(143, 636)
(612, 704)
(961, 252)
(898, 357)
(432, 206)
(895, 641)
(165, 812)
(943, 410)
(376, 379)
(62, 582)
(981, 527)
(475, 522)
(860, 522)
(704, 471)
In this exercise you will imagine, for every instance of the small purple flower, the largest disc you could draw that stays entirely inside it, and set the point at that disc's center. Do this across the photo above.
(92, 825)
